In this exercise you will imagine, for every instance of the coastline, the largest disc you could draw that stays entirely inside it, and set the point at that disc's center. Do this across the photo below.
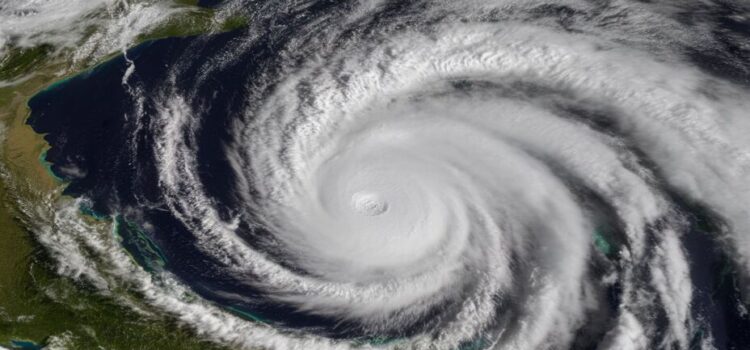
(38, 306)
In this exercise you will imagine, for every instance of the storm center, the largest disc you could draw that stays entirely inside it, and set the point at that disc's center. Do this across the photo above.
(369, 204)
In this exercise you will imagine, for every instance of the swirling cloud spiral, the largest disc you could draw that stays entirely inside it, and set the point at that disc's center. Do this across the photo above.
(454, 175)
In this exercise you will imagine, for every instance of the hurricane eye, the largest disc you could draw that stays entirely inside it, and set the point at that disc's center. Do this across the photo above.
(369, 204)
(442, 174)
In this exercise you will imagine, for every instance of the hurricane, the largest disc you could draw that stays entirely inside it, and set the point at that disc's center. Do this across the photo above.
(418, 175)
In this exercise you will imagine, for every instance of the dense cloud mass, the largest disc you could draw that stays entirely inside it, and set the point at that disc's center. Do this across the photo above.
(422, 175)
(85, 30)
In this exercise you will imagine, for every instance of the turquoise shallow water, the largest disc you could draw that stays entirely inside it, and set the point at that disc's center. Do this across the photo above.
(25, 345)
(93, 129)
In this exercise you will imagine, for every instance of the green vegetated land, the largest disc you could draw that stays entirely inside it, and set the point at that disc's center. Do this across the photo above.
(37, 306)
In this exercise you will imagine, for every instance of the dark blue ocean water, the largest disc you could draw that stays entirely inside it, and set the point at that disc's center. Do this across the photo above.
(106, 155)
(84, 121)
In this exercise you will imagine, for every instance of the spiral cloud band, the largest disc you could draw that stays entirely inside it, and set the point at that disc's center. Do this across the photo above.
(423, 175)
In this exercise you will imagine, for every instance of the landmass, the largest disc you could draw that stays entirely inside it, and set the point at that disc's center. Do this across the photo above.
(38, 307)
